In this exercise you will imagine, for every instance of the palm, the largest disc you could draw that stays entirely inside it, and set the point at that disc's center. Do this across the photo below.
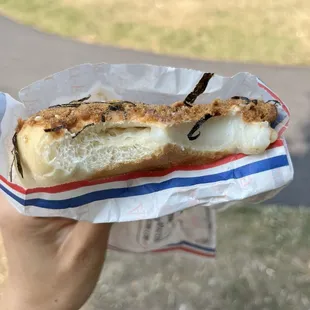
(61, 257)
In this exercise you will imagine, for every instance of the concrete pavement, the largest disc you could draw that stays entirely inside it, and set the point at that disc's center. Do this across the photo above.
(27, 55)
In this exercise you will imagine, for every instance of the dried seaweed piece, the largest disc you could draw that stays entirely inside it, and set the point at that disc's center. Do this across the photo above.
(11, 168)
(113, 102)
(76, 134)
(197, 126)
(242, 98)
(103, 118)
(77, 103)
(125, 102)
(255, 101)
(16, 155)
(82, 99)
(71, 104)
(276, 102)
(116, 107)
(199, 89)
(67, 105)
(54, 129)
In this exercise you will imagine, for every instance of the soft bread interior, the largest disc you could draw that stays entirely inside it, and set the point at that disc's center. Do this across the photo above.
(50, 159)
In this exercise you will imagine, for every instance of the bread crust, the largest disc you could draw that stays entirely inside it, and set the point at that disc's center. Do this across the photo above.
(167, 157)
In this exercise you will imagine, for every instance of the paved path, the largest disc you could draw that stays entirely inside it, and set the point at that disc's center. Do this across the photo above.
(27, 55)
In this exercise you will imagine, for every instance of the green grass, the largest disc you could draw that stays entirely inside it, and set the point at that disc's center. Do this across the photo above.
(267, 253)
(264, 31)
(263, 263)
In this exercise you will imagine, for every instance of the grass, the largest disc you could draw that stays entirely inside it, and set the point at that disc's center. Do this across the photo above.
(263, 263)
(266, 31)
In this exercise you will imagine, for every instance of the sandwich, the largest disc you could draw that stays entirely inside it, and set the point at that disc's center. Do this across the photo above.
(87, 140)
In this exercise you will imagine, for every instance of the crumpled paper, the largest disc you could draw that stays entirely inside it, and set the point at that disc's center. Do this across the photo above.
(140, 198)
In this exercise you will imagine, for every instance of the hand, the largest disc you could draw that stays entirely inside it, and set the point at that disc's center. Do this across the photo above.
(54, 263)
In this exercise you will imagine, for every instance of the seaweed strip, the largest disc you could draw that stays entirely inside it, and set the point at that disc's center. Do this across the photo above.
(199, 89)
(255, 101)
(54, 129)
(276, 102)
(82, 99)
(89, 125)
(242, 98)
(77, 103)
(71, 104)
(103, 118)
(16, 155)
(197, 126)
(116, 108)
(67, 105)
(125, 101)
(11, 168)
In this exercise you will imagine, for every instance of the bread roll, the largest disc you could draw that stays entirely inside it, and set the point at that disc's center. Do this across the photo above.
(90, 140)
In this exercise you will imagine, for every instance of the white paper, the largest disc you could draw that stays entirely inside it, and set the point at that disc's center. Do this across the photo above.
(192, 231)
(216, 186)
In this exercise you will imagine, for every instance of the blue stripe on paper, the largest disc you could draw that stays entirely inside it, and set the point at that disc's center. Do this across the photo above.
(101, 195)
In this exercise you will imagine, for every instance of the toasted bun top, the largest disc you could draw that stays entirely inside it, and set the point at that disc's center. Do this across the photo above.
(75, 115)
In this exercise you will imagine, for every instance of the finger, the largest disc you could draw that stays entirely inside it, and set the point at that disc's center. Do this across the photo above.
(7, 210)
(15, 223)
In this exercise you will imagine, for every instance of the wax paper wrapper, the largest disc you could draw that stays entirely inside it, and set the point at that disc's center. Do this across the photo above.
(154, 210)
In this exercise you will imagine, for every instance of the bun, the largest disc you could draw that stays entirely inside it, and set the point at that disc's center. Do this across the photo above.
(90, 140)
